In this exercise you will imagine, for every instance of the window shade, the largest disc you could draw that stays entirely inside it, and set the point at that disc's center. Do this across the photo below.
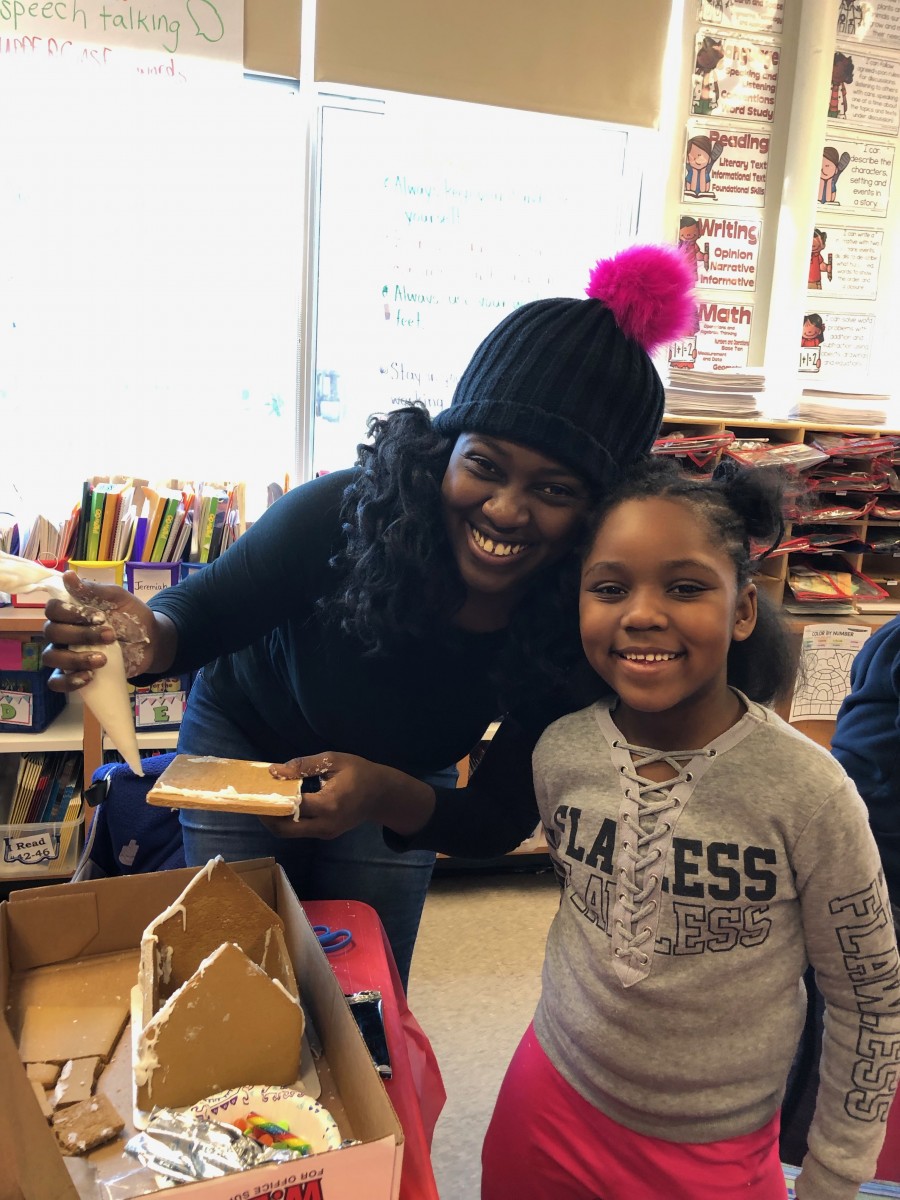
(272, 37)
(585, 58)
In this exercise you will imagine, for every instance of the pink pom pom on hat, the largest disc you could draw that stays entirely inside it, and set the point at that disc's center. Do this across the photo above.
(649, 290)
(573, 379)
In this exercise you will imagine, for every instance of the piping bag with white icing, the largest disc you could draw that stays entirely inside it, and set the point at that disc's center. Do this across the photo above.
(106, 695)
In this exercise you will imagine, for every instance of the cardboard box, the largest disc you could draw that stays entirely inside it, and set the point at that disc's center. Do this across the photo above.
(79, 943)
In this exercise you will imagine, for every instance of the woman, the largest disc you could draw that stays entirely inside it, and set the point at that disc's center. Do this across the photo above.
(389, 613)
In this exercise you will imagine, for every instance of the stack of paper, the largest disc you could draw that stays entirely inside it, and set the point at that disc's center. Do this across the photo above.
(841, 408)
(728, 393)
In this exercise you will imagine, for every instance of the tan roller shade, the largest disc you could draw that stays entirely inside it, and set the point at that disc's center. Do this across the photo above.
(272, 37)
(586, 58)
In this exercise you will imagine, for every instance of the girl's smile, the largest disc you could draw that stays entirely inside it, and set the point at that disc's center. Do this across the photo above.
(660, 607)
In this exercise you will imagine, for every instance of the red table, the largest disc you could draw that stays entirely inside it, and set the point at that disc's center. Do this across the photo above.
(416, 1090)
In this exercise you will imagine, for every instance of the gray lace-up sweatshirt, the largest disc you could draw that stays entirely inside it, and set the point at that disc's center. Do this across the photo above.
(672, 985)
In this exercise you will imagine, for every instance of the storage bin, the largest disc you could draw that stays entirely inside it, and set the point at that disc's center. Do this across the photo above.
(38, 598)
(26, 703)
(160, 706)
(146, 579)
(43, 849)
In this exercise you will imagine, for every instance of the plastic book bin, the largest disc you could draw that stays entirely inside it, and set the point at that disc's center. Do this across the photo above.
(145, 579)
(100, 571)
(39, 597)
(26, 703)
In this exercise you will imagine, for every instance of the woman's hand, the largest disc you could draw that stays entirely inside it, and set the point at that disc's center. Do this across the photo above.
(96, 615)
(352, 790)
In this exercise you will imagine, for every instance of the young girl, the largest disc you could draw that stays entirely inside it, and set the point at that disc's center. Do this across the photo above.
(707, 851)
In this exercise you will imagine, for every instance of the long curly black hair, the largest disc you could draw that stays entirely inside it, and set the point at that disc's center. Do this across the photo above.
(398, 576)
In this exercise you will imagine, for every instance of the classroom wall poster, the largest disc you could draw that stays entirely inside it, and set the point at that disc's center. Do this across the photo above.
(722, 339)
(726, 164)
(723, 251)
(759, 16)
(876, 22)
(865, 92)
(734, 77)
(835, 341)
(844, 262)
(856, 176)
(171, 40)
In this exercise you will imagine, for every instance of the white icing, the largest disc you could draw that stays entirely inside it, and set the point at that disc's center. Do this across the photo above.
(282, 988)
(228, 792)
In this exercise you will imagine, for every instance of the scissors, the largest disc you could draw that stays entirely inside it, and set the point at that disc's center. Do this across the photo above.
(332, 940)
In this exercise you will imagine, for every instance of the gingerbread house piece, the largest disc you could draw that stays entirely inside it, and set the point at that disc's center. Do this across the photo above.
(215, 907)
(229, 1025)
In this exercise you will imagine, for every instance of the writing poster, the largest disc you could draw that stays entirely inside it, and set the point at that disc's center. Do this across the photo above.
(836, 341)
(172, 40)
(856, 176)
(722, 251)
(876, 22)
(726, 164)
(760, 16)
(844, 261)
(722, 339)
(865, 92)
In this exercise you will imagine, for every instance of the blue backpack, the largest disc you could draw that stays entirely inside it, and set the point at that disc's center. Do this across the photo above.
(128, 836)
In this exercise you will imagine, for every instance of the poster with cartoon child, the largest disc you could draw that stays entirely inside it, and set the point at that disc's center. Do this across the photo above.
(723, 251)
(844, 261)
(857, 176)
(761, 16)
(846, 348)
(865, 92)
(700, 158)
(735, 76)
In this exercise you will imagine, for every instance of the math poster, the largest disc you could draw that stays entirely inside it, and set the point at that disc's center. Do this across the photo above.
(734, 77)
(835, 341)
(758, 16)
(722, 251)
(729, 165)
(855, 176)
(722, 339)
(169, 40)
(865, 92)
(844, 262)
(875, 22)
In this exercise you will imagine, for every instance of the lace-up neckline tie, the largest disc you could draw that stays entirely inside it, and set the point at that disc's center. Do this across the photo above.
(644, 838)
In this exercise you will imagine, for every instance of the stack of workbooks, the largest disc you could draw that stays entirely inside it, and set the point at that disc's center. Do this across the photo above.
(730, 393)
(841, 408)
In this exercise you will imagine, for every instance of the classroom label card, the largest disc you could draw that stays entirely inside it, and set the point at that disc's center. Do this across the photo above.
(838, 341)
(856, 176)
(876, 22)
(844, 261)
(734, 77)
(723, 251)
(865, 92)
(730, 165)
(722, 339)
(759, 16)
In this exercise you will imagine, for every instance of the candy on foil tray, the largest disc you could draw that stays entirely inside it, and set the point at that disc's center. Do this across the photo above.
(182, 1148)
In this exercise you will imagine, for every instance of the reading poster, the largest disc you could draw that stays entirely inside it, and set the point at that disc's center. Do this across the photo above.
(730, 165)
(855, 176)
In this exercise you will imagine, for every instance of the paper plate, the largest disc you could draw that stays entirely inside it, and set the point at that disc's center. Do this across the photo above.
(303, 1116)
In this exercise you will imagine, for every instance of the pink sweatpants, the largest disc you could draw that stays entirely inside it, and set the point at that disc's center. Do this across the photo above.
(546, 1141)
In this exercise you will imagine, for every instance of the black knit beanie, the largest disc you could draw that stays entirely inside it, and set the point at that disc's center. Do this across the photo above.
(573, 379)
